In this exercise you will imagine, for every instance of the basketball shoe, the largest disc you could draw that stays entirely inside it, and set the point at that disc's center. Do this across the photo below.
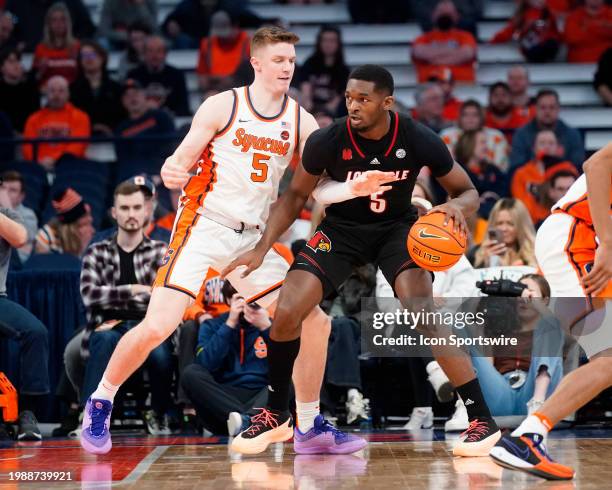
(478, 439)
(528, 453)
(266, 427)
(95, 435)
(324, 438)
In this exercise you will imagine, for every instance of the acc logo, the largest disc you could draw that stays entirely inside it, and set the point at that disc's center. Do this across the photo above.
(285, 135)
(400, 153)
(261, 349)
(319, 241)
(347, 154)
(167, 257)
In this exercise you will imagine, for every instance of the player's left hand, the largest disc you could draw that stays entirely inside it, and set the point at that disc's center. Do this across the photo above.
(251, 259)
(453, 213)
(601, 273)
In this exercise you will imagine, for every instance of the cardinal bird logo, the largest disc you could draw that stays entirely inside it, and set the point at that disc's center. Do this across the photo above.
(319, 241)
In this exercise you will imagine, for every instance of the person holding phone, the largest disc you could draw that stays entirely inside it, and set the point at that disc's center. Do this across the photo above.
(229, 376)
(510, 237)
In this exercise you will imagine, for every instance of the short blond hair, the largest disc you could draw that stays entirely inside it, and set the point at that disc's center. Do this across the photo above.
(272, 35)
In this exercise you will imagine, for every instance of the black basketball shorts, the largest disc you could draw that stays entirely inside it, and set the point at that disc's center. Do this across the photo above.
(338, 246)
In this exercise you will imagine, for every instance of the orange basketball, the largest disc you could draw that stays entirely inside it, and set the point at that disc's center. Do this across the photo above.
(432, 245)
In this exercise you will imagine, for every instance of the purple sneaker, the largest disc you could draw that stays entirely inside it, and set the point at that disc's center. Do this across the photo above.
(95, 436)
(324, 438)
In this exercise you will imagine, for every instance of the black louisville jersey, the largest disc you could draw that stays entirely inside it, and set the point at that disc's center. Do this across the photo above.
(343, 154)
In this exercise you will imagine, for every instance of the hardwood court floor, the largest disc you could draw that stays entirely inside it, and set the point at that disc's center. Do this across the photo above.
(392, 461)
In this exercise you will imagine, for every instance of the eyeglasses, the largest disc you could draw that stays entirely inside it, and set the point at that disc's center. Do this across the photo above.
(89, 56)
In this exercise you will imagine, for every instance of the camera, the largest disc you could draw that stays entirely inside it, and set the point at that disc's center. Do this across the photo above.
(501, 287)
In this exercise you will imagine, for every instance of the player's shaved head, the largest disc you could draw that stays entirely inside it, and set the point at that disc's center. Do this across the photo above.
(379, 76)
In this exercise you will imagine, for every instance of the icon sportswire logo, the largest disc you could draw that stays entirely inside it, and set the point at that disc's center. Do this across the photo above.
(424, 234)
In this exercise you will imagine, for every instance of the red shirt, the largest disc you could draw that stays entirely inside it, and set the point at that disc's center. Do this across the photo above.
(49, 62)
(451, 109)
(586, 36)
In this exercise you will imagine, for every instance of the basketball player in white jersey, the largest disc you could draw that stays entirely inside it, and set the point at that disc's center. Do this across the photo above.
(241, 141)
(574, 251)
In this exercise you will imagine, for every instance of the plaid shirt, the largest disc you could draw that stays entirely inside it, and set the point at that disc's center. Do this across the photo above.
(100, 273)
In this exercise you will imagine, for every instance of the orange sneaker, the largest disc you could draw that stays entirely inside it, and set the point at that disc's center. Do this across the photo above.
(528, 453)
(267, 427)
(478, 439)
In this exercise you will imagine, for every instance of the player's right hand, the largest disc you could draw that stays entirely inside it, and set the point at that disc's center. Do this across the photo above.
(601, 273)
(173, 174)
(251, 259)
(371, 182)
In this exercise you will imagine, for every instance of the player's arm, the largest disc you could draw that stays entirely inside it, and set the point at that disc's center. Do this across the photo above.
(212, 115)
(329, 191)
(285, 211)
(464, 199)
(598, 172)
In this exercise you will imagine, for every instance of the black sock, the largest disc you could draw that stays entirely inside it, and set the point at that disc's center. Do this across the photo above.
(473, 399)
(281, 357)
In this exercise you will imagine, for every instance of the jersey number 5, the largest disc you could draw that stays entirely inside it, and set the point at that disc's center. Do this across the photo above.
(378, 204)
(260, 166)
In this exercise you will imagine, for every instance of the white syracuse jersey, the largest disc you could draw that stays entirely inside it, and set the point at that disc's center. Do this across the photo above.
(239, 171)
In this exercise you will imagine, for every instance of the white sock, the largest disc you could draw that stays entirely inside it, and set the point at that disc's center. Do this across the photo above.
(531, 425)
(352, 393)
(106, 390)
(306, 413)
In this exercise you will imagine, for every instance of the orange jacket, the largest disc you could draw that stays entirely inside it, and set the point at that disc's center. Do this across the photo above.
(525, 186)
(218, 60)
(518, 118)
(461, 73)
(587, 37)
(50, 123)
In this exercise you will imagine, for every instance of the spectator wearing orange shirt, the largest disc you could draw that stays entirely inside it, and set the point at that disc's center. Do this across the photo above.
(588, 32)
(58, 52)
(444, 78)
(59, 119)
(534, 27)
(221, 53)
(445, 46)
(501, 113)
(529, 179)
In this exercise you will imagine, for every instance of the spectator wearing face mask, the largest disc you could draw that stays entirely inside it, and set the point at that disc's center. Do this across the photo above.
(529, 179)
(445, 46)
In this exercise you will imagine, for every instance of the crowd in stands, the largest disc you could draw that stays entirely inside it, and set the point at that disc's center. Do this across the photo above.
(520, 154)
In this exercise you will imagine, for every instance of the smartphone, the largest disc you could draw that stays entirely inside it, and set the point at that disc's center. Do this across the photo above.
(494, 235)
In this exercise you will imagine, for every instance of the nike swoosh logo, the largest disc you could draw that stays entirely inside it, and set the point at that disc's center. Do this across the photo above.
(521, 453)
(424, 234)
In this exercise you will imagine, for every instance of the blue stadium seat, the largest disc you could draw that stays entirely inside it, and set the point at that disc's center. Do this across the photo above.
(53, 262)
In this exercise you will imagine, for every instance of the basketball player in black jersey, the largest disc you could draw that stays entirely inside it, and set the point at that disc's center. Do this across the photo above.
(363, 229)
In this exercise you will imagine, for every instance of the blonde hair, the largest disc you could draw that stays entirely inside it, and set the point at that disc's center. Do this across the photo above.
(48, 38)
(525, 234)
(272, 35)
